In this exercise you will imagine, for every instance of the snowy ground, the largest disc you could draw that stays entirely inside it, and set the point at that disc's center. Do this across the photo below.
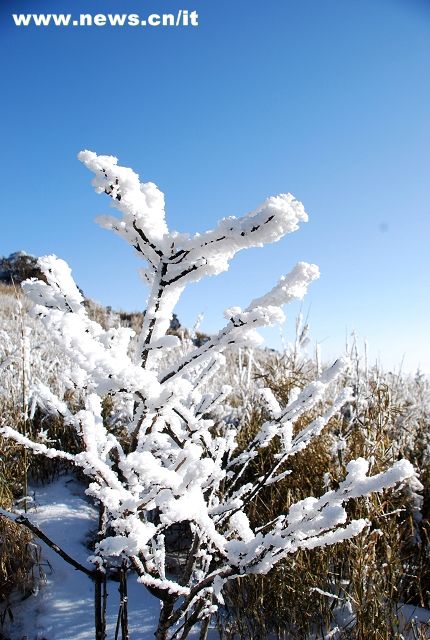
(63, 607)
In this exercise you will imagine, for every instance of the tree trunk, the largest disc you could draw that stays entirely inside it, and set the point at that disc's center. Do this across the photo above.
(168, 604)
(204, 628)
(100, 604)
(124, 603)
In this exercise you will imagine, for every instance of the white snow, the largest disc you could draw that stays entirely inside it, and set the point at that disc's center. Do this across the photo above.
(63, 608)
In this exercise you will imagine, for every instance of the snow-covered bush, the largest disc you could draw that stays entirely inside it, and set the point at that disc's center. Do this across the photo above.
(178, 465)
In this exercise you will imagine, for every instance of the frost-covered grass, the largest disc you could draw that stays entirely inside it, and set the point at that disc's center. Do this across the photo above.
(388, 418)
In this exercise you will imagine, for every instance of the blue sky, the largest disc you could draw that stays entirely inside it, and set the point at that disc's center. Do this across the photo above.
(326, 99)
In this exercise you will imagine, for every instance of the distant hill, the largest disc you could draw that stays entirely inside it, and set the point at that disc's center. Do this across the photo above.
(18, 267)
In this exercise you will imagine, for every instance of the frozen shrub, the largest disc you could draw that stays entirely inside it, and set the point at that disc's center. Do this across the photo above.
(177, 466)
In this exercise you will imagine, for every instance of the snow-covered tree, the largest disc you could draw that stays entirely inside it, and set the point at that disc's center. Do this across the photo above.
(178, 465)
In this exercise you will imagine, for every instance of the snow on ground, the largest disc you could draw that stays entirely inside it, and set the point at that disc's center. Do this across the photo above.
(414, 620)
(63, 609)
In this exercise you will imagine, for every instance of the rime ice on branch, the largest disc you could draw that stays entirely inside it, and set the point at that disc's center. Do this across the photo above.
(176, 465)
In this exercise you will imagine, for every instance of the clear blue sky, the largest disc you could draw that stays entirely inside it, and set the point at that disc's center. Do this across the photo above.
(327, 99)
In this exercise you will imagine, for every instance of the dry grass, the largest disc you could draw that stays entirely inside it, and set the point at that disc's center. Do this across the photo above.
(367, 576)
